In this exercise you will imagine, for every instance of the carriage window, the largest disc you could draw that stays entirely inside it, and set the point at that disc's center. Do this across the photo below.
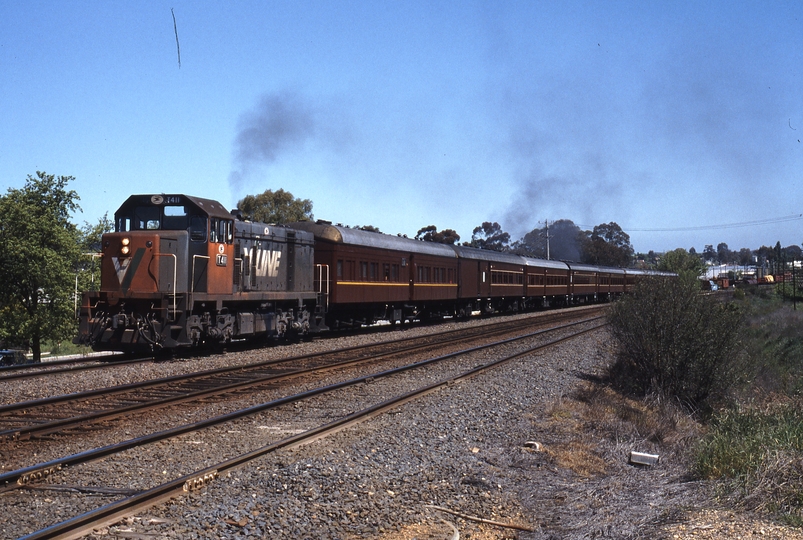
(198, 228)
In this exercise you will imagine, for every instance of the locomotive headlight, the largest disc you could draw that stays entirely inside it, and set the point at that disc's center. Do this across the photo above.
(125, 241)
(125, 249)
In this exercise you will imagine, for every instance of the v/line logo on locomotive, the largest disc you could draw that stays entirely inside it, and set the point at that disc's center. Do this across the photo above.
(121, 267)
(266, 262)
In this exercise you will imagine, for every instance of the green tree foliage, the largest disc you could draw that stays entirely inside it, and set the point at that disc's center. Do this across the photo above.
(489, 236)
(39, 253)
(765, 253)
(430, 233)
(745, 256)
(608, 245)
(90, 245)
(275, 207)
(675, 342)
(793, 253)
(686, 265)
(565, 242)
(724, 255)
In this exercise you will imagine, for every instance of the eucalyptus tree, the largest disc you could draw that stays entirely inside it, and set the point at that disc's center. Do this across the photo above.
(39, 253)
(278, 207)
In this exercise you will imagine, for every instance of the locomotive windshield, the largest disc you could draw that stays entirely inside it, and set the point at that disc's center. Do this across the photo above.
(165, 218)
(204, 219)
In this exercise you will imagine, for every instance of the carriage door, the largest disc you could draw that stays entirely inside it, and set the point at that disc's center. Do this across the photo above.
(411, 273)
(483, 278)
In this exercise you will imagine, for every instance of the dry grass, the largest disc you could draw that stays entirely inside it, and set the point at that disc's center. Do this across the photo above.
(595, 412)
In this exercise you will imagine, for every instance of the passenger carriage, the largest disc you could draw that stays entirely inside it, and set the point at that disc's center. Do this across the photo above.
(369, 276)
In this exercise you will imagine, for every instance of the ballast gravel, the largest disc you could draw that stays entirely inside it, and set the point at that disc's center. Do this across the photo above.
(479, 448)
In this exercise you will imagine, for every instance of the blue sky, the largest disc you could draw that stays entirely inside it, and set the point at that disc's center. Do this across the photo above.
(677, 116)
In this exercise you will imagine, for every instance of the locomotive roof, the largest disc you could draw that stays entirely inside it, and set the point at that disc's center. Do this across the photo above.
(204, 206)
(345, 235)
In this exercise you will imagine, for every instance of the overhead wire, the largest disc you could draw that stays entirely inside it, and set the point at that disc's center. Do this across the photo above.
(754, 223)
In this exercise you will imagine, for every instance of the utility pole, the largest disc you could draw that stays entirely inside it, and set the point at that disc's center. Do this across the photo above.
(547, 239)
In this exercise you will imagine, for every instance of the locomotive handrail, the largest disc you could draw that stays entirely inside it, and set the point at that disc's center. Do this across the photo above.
(175, 265)
(323, 268)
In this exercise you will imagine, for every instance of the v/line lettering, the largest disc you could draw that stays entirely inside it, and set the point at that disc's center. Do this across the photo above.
(266, 262)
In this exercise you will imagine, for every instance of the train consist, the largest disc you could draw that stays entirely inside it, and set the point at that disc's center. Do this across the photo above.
(181, 271)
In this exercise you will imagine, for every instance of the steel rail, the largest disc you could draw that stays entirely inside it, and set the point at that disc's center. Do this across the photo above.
(29, 371)
(182, 395)
(113, 512)
(27, 475)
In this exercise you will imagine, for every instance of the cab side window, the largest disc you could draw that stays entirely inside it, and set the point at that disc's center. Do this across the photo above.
(198, 228)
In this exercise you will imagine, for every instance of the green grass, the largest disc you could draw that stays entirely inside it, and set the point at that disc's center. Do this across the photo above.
(63, 348)
(755, 446)
(742, 441)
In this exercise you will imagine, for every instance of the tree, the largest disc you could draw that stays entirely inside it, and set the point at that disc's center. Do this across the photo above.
(765, 253)
(687, 266)
(724, 255)
(793, 252)
(39, 253)
(275, 207)
(745, 256)
(430, 233)
(565, 239)
(608, 245)
(90, 245)
(489, 236)
(709, 254)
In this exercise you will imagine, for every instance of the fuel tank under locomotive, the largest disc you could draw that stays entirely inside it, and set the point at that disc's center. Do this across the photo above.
(181, 271)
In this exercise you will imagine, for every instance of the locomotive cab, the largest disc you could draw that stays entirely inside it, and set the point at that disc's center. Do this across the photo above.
(187, 242)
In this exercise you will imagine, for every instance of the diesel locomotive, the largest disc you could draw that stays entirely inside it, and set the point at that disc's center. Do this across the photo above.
(181, 271)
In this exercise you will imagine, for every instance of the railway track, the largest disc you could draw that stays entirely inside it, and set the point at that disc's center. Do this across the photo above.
(201, 477)
(59, 414)
(110, 362)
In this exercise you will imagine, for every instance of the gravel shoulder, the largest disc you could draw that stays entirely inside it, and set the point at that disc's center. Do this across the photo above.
(468, 448)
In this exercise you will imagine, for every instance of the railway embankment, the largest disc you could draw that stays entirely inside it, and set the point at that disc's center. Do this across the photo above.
(537, 446)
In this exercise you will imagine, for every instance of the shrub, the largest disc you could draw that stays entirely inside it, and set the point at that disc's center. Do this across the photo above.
(675, 342)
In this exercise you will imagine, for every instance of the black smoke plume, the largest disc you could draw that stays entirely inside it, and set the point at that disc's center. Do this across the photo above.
(280, 123)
